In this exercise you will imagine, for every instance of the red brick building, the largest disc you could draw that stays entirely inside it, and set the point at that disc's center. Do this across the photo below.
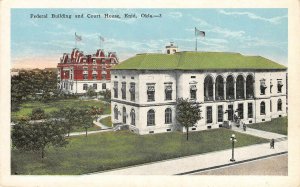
(77, 71)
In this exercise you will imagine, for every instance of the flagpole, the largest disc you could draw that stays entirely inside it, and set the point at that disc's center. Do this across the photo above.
(75, 41)
(196, 43)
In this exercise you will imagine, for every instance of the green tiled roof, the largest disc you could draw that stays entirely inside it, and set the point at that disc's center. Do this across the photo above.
(197, 61)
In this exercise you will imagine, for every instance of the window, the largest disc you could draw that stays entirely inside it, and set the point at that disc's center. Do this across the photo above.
(123, 90)
(230, 112)
(262, 108)
(151, 92)
(270, 105)
(208, 114)
(220, 113)
(103, 86)
(94, 61)
(132, 91)
(168, 116)
(271, 86)
(250, 110)
(85, 76)
(85, 68)
(103, 76)
(94, 76)
(250, 87)
(168, 92)
(193, 92)
(124, 115)
(208, 88)
(193, 77)
(263, 87)
(115, 89)
(132, 116)
(241, 111)
(95, 86)
(85, 86)
(279, 86)
(151, 118)
(279, 105)
(116, 112)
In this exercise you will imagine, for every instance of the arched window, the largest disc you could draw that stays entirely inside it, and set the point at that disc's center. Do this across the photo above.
(240, 87)
(208, 88)
(219, 88)
(249, 87)
(230, 87)
(150, 117)
(116, 112)
(132, 116)
(168, 116)
(124, 115)
(262, 108)
(279, 105)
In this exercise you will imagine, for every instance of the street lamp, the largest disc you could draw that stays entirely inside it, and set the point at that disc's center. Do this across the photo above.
(233, 139)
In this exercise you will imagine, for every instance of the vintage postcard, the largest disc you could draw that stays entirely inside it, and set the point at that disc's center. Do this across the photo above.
(101, 94)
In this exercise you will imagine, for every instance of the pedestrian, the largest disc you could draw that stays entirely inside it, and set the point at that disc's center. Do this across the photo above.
(272, 142)
(244, 126)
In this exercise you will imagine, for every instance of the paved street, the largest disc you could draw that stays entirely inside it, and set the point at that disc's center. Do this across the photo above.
(276, 165)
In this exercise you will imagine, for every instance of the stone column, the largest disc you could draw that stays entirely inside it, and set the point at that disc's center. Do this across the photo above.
(224, 88)
(245, 90)
(234, 89)
(214, 91)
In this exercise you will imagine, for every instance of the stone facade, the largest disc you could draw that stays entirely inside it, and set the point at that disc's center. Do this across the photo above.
(253, 95)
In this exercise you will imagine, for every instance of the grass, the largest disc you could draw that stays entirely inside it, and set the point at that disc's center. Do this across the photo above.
(81, 129)
(109, 150)
(278, 125)
(106, 121)
(26, 108)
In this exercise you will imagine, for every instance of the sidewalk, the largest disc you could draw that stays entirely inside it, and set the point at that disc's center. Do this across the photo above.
(259, 133)
(184, 165)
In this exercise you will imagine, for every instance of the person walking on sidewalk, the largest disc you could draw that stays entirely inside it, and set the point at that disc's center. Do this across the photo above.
(244, 126)
(272, 142)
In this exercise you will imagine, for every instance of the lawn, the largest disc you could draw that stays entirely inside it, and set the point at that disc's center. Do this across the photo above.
(109, 150)
(106, 121)
(26, 108)
(278, 125)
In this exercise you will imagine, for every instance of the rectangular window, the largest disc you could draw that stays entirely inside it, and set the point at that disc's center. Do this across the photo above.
(95, 86)
(241, 111)
(270, 105)
(250, 110)
(103, 86)
(103, 76)
(279, 86)
(94, 76)
(85, 86)
(168, 92)
(193, 92)
(123, 89)
(263, 87)
(230, 112)
(220, 113)
(208, 114)
(115, 89)
(193, 77)
(151, 92)
(132, 91)
(271, 86)
(85, 76)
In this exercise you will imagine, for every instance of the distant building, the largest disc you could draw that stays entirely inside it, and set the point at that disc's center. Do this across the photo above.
(146, 86)
(77, 72)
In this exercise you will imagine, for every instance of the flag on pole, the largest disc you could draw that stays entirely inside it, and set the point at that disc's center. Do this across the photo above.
(77, 37)
(101, 38)
(199, 33)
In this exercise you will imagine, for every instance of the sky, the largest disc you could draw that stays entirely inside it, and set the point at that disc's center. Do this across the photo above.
(40, 42)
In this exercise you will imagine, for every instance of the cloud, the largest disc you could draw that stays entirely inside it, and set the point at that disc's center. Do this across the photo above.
(273, 20)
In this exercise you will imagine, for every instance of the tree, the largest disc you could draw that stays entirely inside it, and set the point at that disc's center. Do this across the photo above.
(37, 136)
(187, 113)
(37, 114)
(90, 92)
(69, 117)
(84, 119)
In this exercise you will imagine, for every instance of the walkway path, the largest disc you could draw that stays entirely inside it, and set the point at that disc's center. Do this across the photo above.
(259, 133)
(190, 164)
(98, 123)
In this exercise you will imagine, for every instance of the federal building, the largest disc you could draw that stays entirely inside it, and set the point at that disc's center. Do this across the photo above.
(146, 86)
